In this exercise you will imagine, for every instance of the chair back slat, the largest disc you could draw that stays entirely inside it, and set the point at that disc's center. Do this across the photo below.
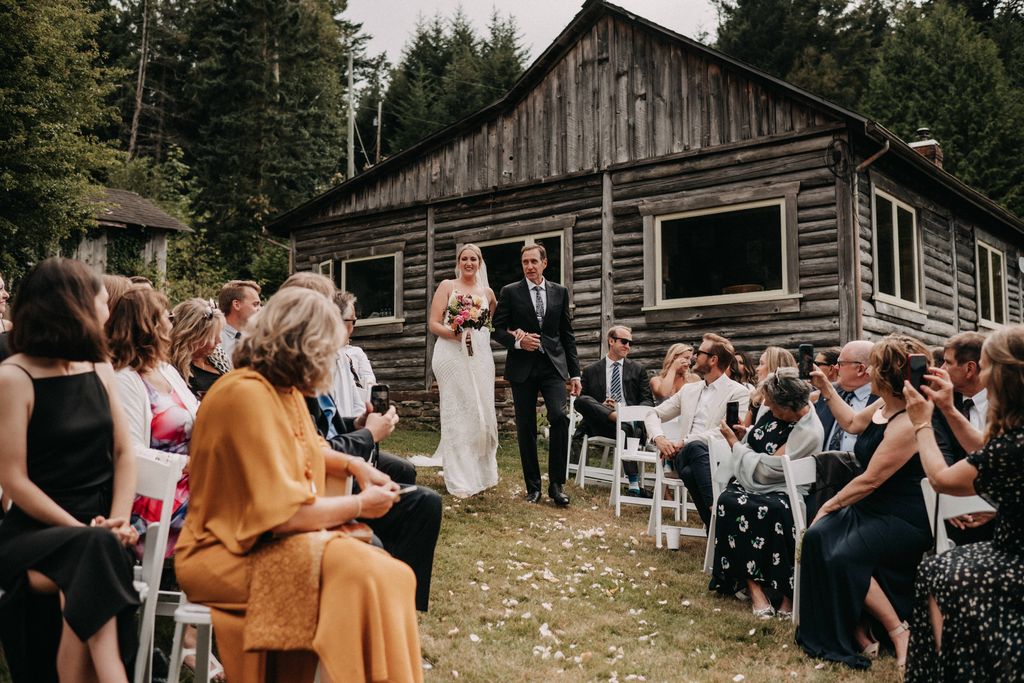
(949, 507)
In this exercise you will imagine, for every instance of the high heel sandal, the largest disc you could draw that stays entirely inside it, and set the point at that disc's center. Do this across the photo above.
(216, 668)
(903, 627)
(764, 613)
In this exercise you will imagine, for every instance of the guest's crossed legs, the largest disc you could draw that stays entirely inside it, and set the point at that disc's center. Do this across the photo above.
(694, 467)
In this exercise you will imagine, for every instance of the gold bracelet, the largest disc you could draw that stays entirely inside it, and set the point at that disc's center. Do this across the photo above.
(926, 425)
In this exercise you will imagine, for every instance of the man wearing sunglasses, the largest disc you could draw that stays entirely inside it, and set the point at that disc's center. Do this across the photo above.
(615, 380)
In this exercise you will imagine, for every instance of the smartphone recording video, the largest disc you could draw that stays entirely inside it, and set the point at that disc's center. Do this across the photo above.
(805, 359)
(380, 398)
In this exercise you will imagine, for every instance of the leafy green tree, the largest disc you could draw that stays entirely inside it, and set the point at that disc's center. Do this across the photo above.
(937, 70)
(53, 94)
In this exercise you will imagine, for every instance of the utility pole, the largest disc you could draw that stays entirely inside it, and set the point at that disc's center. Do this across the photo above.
(380, 113)
(351, 117)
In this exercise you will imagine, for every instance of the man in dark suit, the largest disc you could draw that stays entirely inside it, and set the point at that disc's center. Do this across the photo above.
(532, 322)
(615, 379)
(410, 529)
(854, 386)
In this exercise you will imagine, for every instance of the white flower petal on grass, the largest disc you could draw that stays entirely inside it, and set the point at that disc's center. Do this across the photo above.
(453, 631)
(820, 665)
(484, 587)
(739, 677)
(686, 603)
(546, 605)
(527, 615)
(474, 637)
(751, 631)
(455, 674)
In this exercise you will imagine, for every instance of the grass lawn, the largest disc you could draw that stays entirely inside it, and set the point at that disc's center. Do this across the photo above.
(532, 592)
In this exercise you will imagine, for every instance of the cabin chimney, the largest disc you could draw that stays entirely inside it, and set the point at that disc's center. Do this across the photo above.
(928, 147)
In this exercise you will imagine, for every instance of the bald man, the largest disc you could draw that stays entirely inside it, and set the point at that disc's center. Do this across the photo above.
(854, 386)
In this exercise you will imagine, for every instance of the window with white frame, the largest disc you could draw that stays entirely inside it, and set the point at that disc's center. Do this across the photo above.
(991, 284)
(897, 260)
(326, 268)
(376, 282)
(504, 263)
(722, 254)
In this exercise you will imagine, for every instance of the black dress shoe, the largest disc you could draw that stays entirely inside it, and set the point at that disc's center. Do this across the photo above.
(641, 493)
(558, 496)
(533, 496)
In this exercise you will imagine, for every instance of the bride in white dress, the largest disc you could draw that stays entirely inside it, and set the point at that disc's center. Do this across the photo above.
(464, 369)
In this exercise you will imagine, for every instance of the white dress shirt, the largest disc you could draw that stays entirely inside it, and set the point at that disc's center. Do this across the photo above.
(347, 396)
(859, 402)
(978, 414)
(228, 339)
(533, 300)
(700, 415)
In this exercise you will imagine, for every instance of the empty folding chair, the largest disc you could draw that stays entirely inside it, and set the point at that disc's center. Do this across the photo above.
(942, 507)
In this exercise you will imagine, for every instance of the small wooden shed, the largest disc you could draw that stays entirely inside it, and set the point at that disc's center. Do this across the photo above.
(677, 191)
(129, 226)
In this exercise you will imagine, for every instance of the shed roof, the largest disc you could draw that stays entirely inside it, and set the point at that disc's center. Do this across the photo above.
(589, 14)
(121, 209)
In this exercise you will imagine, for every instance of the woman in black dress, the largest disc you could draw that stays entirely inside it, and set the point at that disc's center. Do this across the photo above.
(968, 620)
(860, 553)
(66, 464)
(754, 534)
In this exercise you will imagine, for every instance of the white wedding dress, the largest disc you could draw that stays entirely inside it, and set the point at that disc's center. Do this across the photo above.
(469, 427)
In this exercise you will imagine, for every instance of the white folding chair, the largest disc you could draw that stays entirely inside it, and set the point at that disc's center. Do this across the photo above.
(718, 449)
(948, 508)
(157, 477)
(641, 456)
(582, 470)
(191, 614)
(680, 505)
(800, 472)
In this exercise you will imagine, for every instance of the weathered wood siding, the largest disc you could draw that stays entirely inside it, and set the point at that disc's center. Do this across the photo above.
(783, 162)
(948, 263)
(622, 93)
(396, 349)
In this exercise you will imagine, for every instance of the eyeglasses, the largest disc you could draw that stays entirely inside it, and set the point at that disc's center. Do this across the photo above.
(848, 362)
(706, 353)
(825, 363)
(625, 342)
(349, 320)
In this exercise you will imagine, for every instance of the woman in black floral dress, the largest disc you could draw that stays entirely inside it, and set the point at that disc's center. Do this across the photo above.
(754, 534)
(968, 622)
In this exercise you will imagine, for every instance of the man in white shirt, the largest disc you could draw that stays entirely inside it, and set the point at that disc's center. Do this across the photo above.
(239, 300)
(854, 387)
(351, 386)
(701, 407)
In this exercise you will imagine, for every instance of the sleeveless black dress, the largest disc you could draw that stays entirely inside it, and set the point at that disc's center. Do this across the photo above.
(70, 444)
(883, 536)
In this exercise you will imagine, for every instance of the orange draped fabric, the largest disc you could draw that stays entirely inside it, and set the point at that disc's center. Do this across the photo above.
(255, 458)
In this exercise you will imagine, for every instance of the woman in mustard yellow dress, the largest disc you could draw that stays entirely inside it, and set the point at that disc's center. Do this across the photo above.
(284, 593)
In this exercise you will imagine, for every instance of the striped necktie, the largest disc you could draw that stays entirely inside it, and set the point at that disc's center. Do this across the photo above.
(617, 382)
(838, 433)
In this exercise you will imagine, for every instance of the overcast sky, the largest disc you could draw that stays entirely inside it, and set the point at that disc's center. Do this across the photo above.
(391, 22)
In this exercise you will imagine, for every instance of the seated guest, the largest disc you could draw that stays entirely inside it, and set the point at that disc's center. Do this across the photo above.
(702, 406)
(675, 372)
(745, 373)
(159, 410)
(853, 386)
(773, 358)
(968, 621)
(67, 464)
(256, 493)
(962, 399)
(409, 530)
(239, 301)
(754, 535)
(362, 371)
(825, 360)
(116, 285)
(194, 337)
(614, 380)
(860, 552)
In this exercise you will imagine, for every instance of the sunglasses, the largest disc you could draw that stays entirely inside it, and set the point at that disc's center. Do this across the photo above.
(823, 363)
(625, 342)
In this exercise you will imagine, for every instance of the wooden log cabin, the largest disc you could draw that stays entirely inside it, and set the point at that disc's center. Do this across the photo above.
(677, 191)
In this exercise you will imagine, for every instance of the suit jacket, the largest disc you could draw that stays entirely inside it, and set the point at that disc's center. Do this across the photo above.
(357, 442)
(684, 403)
(826, 416)
(515, 311)
(635, 387)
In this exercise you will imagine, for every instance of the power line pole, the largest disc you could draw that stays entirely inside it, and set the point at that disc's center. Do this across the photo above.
(351, 116)
(380, 113)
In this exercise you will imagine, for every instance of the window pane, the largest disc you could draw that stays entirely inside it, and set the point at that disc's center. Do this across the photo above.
(722, 253)
(908, 255)
(504, 265)
(984, 290)
(998, 314)
(883, 236)
(373, 283)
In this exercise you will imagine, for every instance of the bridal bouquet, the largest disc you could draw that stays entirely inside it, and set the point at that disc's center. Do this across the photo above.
(467, 312)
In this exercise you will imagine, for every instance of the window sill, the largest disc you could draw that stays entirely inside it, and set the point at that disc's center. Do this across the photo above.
(897, 309)
(989, 325)
(381, 325)
(725, 307)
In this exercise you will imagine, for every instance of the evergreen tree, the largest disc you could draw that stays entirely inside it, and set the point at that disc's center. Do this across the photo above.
(937, 70)
(53, 95)
(266, 115)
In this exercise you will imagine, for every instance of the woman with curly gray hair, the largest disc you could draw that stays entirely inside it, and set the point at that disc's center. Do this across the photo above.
(754, 537)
